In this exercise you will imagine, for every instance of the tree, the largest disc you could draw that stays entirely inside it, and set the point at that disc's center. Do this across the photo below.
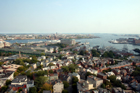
(66, 84)
(60, 57)
(51, 64)
(112, 78)
(16, 74)
(108, 54)
(34, 59)
(39, 81)
(20, 89)
(95, 53)
(65, 69)
(74, 86)
(103, 85)
(65, 91)
(117, 83)
(123, 87)
(72, 67)
(47, 86)
(32, 90)
(82, 52)
(40, 67)
(1, 63)
(74, 79)
(51, 71)
(4, 88)
(8, 82)
(42, 54)
(88, 74)
(75, 52)
(20, 69)
(108, 84)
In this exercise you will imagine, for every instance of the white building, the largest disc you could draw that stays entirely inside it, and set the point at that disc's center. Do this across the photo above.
(58, 87)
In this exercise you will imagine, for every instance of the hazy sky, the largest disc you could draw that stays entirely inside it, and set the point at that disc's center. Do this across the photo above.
(70, 16)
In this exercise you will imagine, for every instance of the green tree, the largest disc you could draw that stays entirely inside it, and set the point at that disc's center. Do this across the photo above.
(66, 84)
(75, 52)
(88, 74)
(117, 83)
(32, 90)
(82, 52)
(16, 74)
(108, 84)
(65, 69)
(74, 86)
(51, 64)
(95, 53)
(51, 71)
(72, 67)
(47, 86)
(103, 85)
(108, 54)
(74, 79)
(20, 89)
(40, 67)
(39, 81)
(34, 59)
(4, 88)
(20, 69)
(8, 82)
(42, 54)
(1, 63)
(112, 78)
(65, 91)
(60, 57)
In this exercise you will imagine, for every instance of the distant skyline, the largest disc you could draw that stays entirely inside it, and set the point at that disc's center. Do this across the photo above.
(70, 16)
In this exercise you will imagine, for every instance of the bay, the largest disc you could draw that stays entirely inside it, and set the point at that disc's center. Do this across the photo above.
(102, 41)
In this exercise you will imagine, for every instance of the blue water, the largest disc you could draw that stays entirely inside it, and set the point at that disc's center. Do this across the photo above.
(102, 41)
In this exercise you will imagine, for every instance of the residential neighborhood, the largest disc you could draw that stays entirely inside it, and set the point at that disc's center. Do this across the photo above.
(80, 69)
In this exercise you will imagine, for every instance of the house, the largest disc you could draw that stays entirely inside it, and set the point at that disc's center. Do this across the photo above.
(46, 91)
(117, 90)
(34, 66)
(53, 77)
(7, 76)
(2, 83)
(21, 82)
(124, 72)
(93, 71)
(83, 86)
(110, 74)
(58, 87)
(95, 81)
(102, 75)
(116, 71)
(135, 85)
(118, 77)
(70, 75)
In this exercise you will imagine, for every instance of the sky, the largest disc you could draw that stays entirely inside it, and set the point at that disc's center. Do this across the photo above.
(70, 16)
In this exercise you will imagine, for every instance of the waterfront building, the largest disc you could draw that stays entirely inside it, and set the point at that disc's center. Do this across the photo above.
(68, 41)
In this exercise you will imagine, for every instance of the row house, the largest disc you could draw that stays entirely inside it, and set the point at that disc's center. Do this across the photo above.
(21, 82)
